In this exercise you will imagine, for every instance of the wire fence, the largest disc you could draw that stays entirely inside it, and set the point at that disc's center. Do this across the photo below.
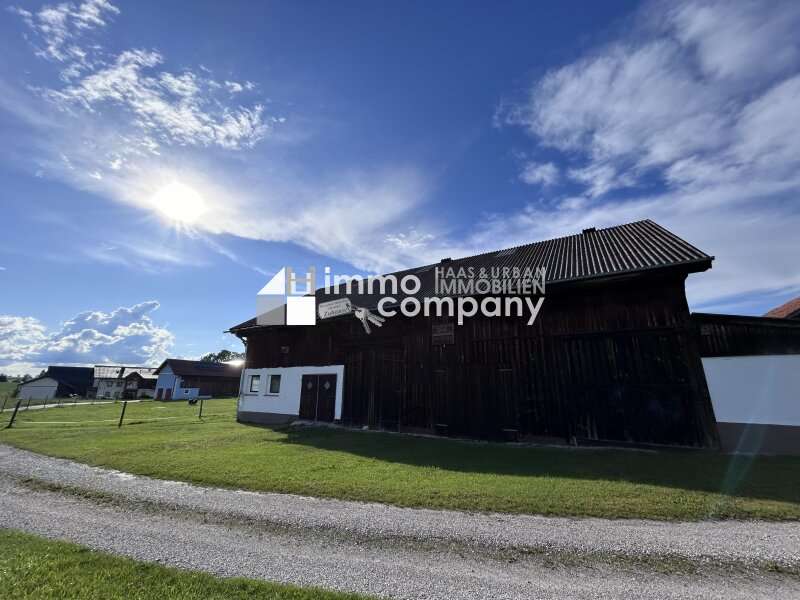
(83, 412)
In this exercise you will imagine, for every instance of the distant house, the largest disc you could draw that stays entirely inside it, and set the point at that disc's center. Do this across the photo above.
(139, 383)
(788, 310)
(110, 382)
(185, 379)
(57, 382)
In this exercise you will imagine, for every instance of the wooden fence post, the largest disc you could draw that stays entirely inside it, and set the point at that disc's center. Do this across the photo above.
(14, 415)
(5, 399)
(200, 416)
(122, 415)
(28, 405)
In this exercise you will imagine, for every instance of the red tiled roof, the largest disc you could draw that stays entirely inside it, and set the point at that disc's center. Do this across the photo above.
(786, 311)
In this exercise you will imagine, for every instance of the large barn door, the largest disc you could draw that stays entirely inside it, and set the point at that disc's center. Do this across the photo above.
(326, 397)
(308, 397)
(318, 397)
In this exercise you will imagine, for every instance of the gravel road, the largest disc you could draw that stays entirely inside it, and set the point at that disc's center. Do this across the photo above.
(390, 551)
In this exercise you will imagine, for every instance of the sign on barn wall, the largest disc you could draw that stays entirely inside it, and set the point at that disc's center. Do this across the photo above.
(443, 333)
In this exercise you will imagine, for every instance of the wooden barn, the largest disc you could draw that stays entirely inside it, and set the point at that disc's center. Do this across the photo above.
(612, 357)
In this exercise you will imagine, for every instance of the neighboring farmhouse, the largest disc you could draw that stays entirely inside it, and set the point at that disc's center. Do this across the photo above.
(615, 357)
(789, 310)
(122, 382)
(57, 382)
(139, 383)
(186, 379)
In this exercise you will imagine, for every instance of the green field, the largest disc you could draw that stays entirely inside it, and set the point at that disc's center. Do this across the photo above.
(168, 441)
(7, 390)
(35, 568)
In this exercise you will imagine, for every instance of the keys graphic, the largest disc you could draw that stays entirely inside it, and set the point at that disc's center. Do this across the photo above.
(366, 317)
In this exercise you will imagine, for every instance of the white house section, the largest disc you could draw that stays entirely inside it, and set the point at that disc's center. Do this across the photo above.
(755, 389)
(255, 395)
(169, 386)
(41, 388)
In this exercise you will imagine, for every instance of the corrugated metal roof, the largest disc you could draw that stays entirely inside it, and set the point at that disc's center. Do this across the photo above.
(593, 254)
(118, 371)
(107, 371)
(144, 372)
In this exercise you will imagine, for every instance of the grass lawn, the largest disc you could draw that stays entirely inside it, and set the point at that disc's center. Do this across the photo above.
(6, 390)
(168, 441)
(33, 567)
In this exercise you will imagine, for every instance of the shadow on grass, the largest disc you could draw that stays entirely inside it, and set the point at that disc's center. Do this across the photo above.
(764, 477)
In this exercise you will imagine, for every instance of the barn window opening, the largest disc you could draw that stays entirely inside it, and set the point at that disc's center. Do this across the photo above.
(274, 384)
(255, 381)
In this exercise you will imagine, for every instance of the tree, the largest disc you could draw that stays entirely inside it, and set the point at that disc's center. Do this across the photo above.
(26, 377)
(222, 356)
(3, 377)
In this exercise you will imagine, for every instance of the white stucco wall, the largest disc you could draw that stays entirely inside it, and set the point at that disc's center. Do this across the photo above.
(167, 380)
(287, 402)
(41, 389)
(109, 388)
(755, 389)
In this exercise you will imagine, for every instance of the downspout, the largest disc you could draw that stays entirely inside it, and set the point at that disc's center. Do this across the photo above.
(241, 376)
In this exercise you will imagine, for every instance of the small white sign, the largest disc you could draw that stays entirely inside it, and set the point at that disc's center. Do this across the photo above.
(335, 308)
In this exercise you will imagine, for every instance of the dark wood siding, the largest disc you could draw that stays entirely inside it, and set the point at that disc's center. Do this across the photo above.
(733, 335)
(604, 361)
(218, 387)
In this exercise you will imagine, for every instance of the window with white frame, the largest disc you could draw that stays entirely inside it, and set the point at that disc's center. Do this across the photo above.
(274, 384)
(255, 382)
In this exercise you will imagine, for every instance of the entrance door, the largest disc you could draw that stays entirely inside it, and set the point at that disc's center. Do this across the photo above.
(168, 394)
(308, 397)
(326, 398)
(318, 397)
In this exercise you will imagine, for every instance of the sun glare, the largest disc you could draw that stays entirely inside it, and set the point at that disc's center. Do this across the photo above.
(179, 203)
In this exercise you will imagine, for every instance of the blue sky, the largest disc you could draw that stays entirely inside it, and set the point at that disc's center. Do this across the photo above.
(160, 160)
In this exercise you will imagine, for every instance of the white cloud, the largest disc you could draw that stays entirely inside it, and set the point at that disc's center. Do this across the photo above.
(158, 106)
(539, 173)
(740, 40)
(409, 240)
(56, 28)
(599, 178)
(699, 101)
(172, 108)
(20, 336)
(150, 258)
(124, 335)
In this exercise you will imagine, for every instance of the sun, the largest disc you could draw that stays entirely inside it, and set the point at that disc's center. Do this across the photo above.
(179, 203)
